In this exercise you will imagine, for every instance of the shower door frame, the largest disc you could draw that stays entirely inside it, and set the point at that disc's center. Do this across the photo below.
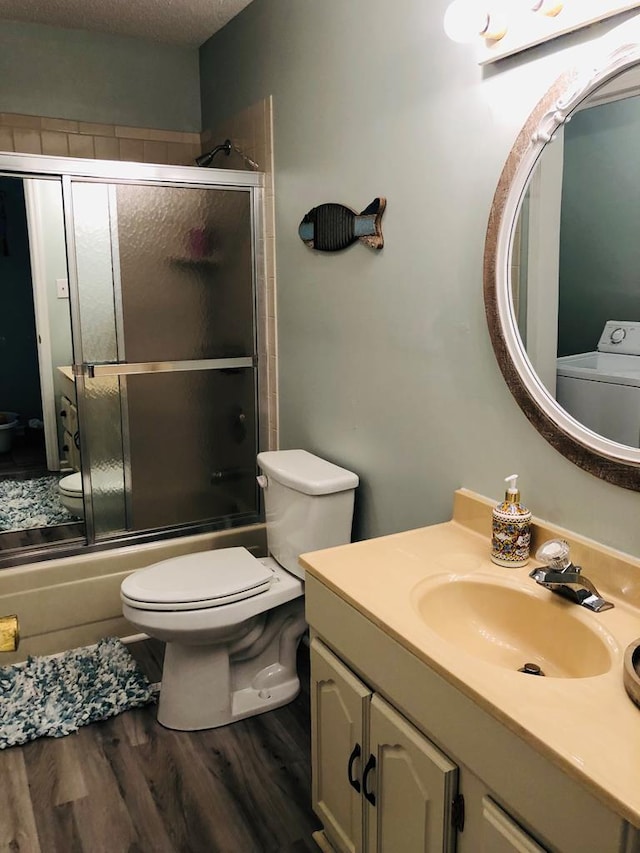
(67, 170)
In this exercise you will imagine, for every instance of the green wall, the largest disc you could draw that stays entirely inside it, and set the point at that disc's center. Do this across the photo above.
(96, 77)
(600, 224)
(385, 360)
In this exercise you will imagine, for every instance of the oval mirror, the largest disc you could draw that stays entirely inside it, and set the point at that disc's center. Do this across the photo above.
(562, 268)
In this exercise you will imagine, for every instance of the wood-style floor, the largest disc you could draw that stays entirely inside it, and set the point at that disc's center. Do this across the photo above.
(128, 785)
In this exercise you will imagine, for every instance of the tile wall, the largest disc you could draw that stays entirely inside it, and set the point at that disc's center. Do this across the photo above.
(63, 138)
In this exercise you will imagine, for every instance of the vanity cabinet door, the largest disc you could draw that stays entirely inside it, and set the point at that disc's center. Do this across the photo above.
(501, 834)
(409, 786)
(339, 719)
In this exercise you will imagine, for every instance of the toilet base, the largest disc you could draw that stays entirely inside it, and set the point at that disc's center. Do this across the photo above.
(244, 703)
(208, 712)
(207, 686)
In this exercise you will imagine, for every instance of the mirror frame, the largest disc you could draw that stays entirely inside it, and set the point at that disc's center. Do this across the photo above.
(613, 462)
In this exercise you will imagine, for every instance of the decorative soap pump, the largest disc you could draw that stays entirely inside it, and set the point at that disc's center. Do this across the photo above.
(511, 533)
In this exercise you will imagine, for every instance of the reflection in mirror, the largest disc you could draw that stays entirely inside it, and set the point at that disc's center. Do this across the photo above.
(561, 255)
(574, 266)
(39, 438)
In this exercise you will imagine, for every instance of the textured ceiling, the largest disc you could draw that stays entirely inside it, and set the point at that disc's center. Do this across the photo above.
(184, 22)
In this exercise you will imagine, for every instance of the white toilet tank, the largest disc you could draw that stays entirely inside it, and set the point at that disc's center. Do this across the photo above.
(308, 504)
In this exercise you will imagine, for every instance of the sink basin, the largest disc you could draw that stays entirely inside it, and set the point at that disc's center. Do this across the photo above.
(509, 626)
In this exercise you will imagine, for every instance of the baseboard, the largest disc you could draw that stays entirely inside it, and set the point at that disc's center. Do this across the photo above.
(134, 638)
(323, 843)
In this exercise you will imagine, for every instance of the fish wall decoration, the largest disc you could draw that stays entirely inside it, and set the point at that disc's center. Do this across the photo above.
(332, 227)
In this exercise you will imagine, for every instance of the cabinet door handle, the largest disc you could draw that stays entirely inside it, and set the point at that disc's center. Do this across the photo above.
(355, 754)
(371, 765)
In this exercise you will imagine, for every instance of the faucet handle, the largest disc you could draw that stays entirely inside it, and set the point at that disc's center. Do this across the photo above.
(555, 554)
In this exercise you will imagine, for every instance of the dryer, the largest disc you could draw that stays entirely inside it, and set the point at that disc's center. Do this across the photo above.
(601, 389)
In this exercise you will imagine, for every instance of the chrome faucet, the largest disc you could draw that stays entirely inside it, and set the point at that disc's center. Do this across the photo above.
(562, 577)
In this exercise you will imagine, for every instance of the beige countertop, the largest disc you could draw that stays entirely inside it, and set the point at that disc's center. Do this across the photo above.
(587, 726)
(67, 372)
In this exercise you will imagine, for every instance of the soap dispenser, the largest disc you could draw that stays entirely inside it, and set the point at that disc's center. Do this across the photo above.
(511, 533)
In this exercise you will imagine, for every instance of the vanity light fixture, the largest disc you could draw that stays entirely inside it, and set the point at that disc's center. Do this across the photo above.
(500, 28)
(466, 20)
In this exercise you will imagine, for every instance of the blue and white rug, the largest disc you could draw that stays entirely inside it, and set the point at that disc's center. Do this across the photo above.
(25, 504)
(53, 696)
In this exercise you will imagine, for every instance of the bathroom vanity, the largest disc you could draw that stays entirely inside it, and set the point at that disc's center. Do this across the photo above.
(68, 419)
(426, 737)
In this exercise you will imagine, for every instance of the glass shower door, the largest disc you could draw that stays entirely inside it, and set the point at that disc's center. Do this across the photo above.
(166, 374)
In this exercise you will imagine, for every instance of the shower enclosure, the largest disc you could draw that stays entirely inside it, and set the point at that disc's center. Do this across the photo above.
(164, 266)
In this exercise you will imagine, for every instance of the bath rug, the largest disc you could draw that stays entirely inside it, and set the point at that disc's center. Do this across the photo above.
(27, 504)
(53, 696)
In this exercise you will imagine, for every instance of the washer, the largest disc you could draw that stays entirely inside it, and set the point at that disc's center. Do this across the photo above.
(601, 389)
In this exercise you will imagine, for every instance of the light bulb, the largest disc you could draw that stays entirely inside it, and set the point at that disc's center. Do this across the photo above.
(550, 8)
(496, 26)
(465, 20)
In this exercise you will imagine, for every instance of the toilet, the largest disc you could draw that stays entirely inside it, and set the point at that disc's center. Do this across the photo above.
(231, 621)
(70, 494)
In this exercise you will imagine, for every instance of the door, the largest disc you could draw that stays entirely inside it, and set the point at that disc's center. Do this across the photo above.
(501, 834)
(409, 786)
(339, 716)
(164, 337)
(540, 263)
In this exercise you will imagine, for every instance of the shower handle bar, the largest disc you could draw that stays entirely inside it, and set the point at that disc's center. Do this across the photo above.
(94, 370)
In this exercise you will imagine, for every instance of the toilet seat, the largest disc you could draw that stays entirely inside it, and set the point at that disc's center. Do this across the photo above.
(71, 485)
(197, 581)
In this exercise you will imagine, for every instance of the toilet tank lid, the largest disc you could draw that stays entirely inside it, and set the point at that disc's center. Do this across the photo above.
(306, 473)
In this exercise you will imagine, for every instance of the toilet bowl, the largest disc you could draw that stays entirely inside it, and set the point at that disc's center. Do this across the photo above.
(231, 621)
(70, 494)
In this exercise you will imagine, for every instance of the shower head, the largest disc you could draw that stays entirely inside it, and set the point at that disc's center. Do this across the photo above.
(205, 159)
